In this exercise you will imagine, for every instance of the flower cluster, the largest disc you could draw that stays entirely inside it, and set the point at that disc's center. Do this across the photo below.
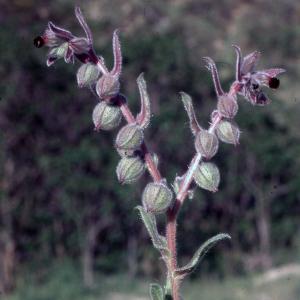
(63, 44)
(249, 84)
(252, 80)
(135, 158)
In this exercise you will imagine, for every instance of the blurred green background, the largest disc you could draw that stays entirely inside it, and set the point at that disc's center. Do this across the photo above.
(68, 230)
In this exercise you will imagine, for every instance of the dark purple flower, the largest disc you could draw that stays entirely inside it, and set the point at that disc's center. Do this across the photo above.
(251, 80)
(65, 45)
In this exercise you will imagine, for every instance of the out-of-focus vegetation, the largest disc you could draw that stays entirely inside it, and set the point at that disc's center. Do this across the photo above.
(64, 282)
(60, 199)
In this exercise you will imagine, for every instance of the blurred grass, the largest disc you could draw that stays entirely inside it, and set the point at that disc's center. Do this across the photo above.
(63, 282)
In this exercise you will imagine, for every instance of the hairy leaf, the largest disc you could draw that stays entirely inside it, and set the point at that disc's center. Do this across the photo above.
(116, 71)
(143, 117)
(156, 292)
(159, 242)
(204, 248)
(188, 105)
(211, 66)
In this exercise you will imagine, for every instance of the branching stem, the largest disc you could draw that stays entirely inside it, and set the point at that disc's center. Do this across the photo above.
(171, 230)
(171, 226)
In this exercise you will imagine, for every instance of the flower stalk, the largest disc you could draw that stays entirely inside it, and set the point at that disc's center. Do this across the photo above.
(131, 145)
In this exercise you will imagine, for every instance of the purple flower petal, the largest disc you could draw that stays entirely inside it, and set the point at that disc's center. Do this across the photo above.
(60, 32)
(51, 60)
(273, 72)
(249, 62)
(79, 45)
(69, 56)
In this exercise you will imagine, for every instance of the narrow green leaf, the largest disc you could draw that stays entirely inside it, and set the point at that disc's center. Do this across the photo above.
(156, 292)
(143, 118)
(188, 105)
(204, 248)
(158, 241)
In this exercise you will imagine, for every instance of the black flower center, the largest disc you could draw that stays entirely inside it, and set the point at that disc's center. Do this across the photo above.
(274, 83)
(38, 42)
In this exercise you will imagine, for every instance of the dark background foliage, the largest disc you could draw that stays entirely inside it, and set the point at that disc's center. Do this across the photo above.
(60, 200)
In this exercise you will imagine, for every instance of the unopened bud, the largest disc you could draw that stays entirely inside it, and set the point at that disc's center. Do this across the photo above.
(228, 132)
(157, 197)
(130, 137)
(130, 169)
(207, 176)
(106, 117)
(87, 74)
(227, 106)
(108, 86)
(206, 143)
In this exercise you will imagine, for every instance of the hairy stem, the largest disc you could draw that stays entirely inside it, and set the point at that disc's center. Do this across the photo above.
(172, 213)
(171, 230)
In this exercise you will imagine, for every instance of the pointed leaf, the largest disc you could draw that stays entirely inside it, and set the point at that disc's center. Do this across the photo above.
(188, 105)
(143, 118)
(190, 267)
(156, 292)
(83, 24)
(116, 71)
(159, 242)
(238, 75)
(211, 66)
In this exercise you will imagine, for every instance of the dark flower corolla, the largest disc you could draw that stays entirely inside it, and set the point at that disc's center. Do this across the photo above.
(251, 80)
(63, 44)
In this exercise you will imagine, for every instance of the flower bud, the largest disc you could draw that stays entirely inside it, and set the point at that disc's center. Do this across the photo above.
(206, 143)
(157, 197)
(130, 137)
(130, 169)
(108, 86)
(87, 74)
(227, 106)
(106, 117)
(207, 176)
(228, 132)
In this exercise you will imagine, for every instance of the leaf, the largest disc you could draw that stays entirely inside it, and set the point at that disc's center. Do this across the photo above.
(117, 69)
(143, 118)
(188, 105)
(211, 66)
(156, 292)
(191, 266)
(159, 242)
(238, 64)
(83, 24)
